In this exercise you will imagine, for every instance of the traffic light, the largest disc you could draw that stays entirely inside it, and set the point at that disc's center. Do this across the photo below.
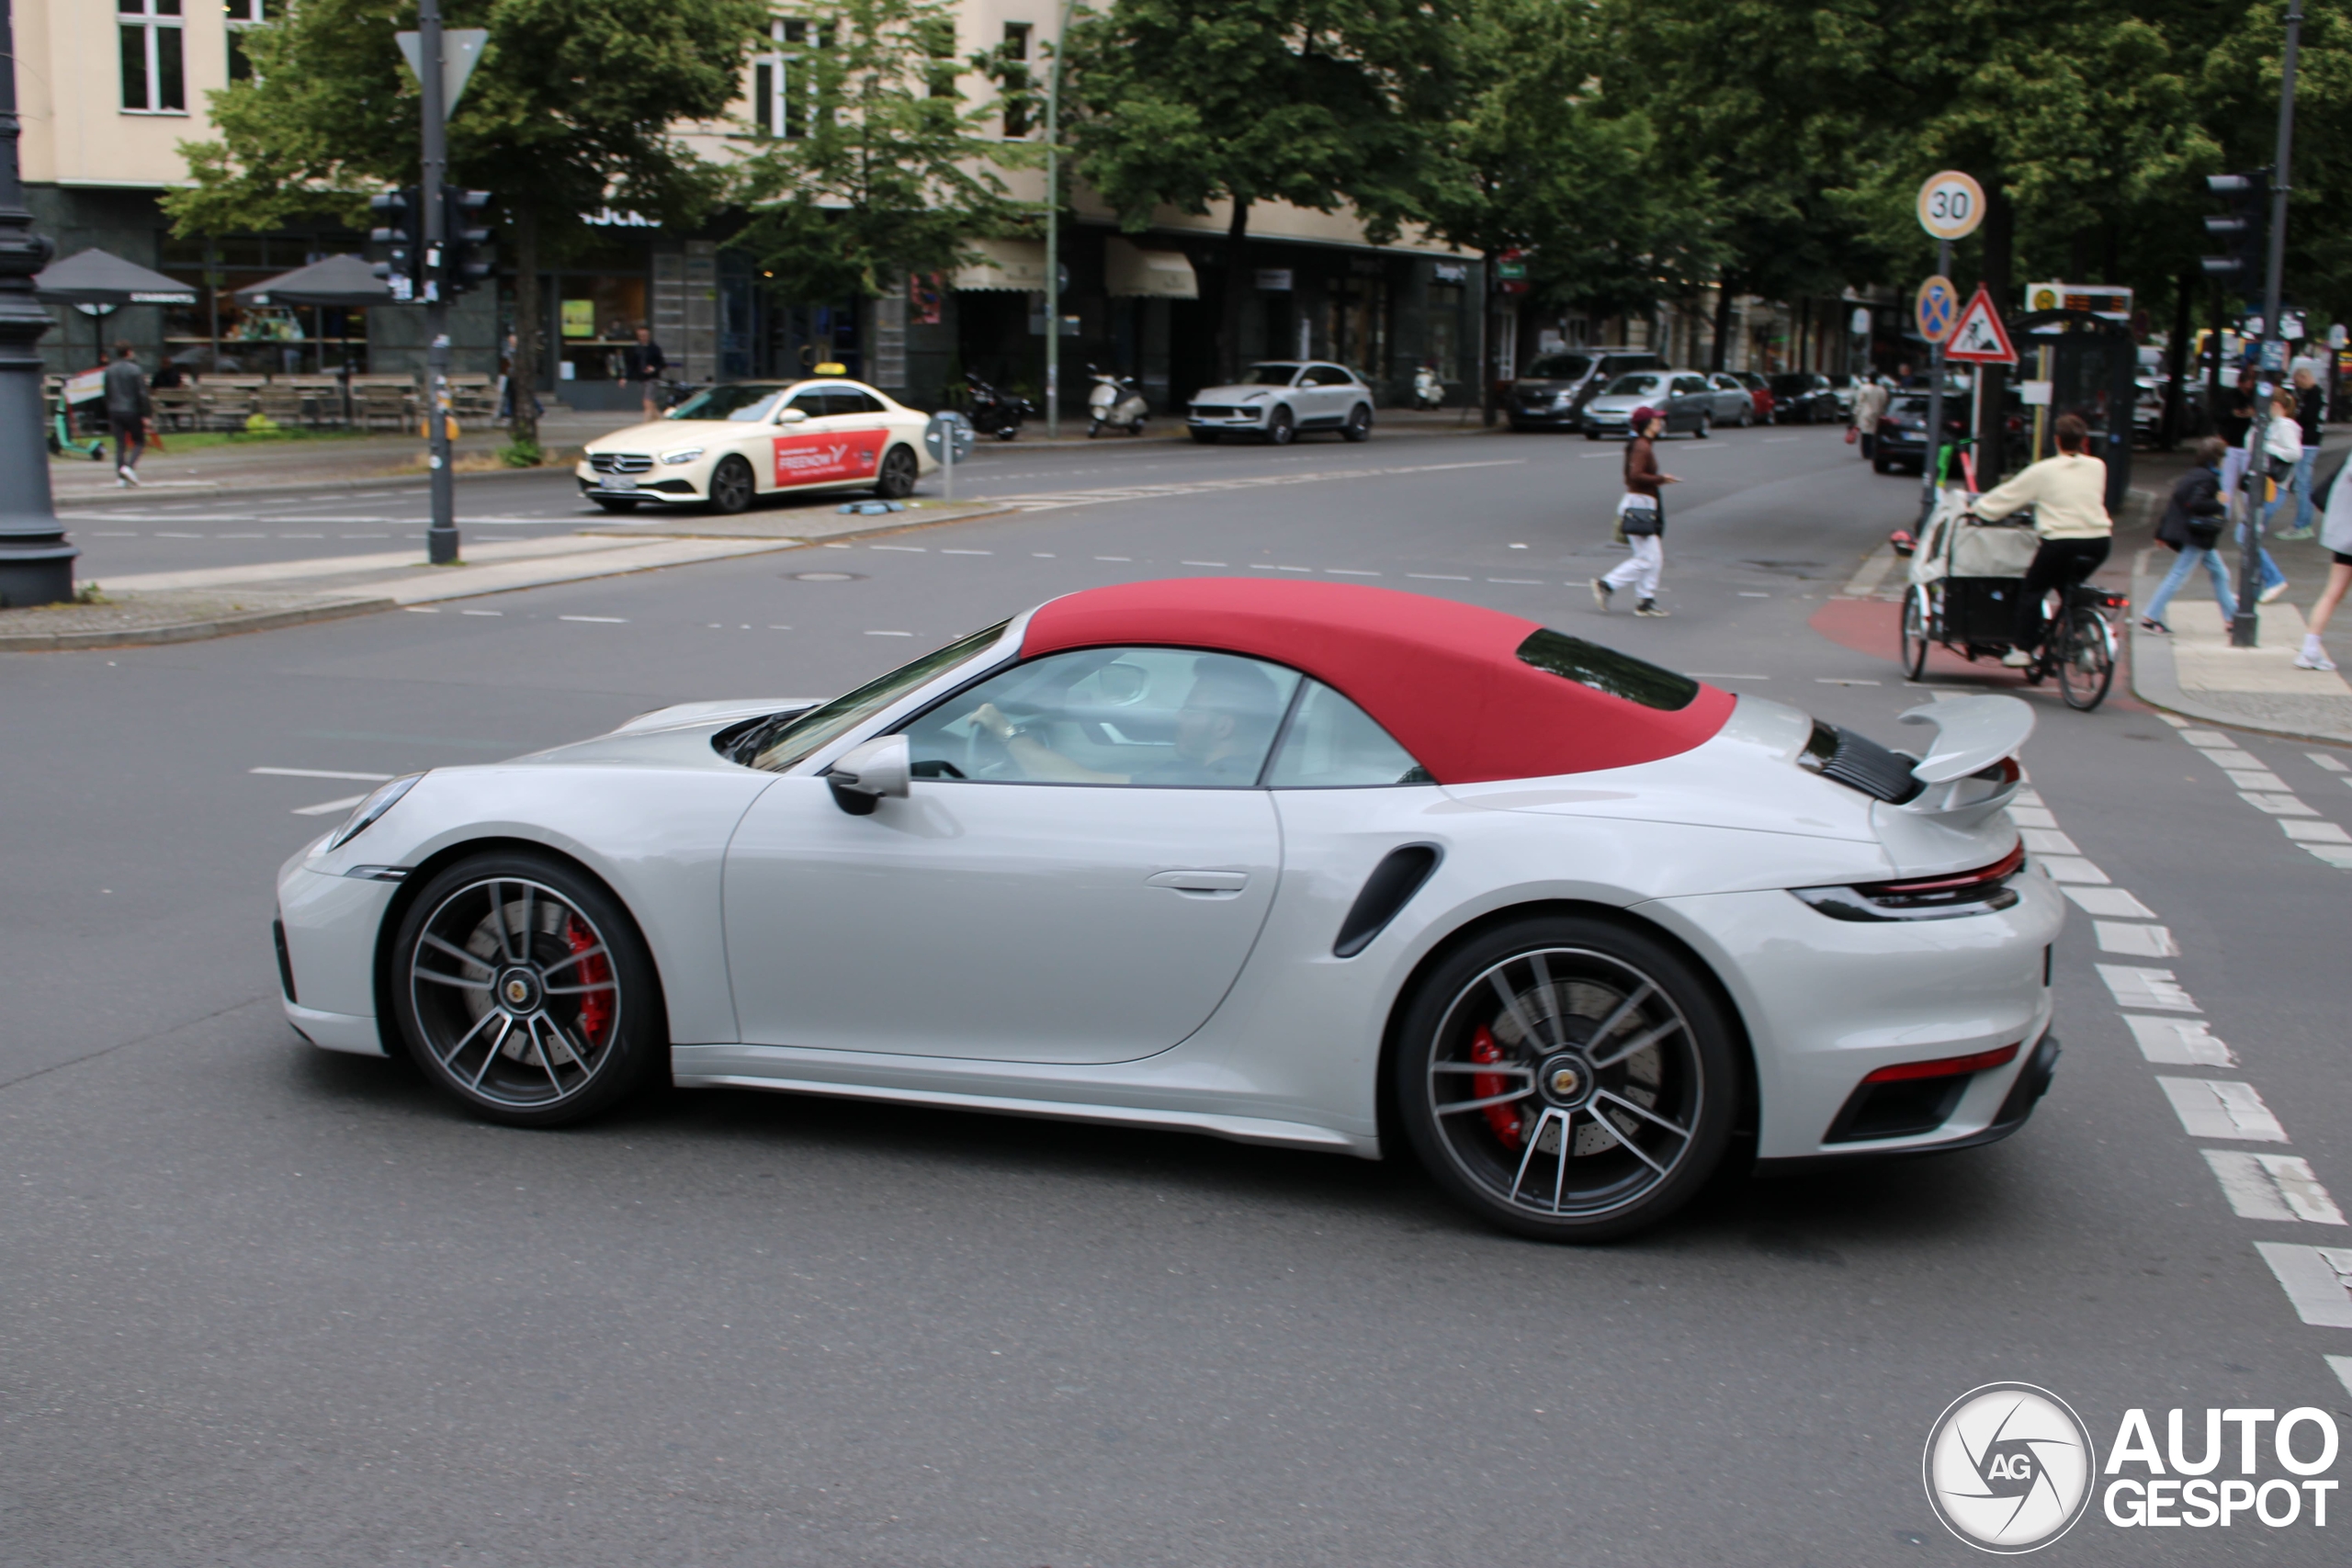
(2243, 228)
(466, 257)
(399, 228)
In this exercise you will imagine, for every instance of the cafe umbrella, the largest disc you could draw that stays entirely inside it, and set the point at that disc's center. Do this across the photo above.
(340, 282)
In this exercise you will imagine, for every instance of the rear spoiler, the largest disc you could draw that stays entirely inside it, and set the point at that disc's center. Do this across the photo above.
(1961, 777)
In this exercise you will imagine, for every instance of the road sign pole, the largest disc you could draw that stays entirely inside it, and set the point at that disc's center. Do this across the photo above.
(2245, 627)
(1934, 447)
(441, 537)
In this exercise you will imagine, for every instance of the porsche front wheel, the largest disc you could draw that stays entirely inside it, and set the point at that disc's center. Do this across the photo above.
(522, 989)
(1568, 1079)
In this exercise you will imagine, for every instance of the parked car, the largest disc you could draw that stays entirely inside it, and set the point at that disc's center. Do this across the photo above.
(729, 444)
(1279, 398)
(1552, 393)
(1688, 400)
(1902, 442)
(1843, 388)
(1801, 397)
(1759, 393)
(1318, 865)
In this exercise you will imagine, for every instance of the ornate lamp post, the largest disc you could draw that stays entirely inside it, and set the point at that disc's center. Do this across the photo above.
(36, 563)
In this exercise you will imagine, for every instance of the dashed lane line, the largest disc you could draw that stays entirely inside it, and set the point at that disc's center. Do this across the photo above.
(2222, 1108)
(325, 806)
(2272, 1186)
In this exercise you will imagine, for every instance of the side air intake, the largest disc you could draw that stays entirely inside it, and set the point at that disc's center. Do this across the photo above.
(1859, 763)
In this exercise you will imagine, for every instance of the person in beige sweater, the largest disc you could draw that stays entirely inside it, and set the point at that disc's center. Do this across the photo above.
(2068, 494)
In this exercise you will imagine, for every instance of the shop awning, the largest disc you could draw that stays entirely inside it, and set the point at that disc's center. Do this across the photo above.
(342, 280)
(100, 277)
(1005, 264)
(1136, 272)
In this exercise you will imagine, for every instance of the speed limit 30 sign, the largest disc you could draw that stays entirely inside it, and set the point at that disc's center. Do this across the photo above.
(1952, 205)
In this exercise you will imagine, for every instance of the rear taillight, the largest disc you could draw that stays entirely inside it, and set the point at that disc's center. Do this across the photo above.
(1945, 1067)
(1979, 892)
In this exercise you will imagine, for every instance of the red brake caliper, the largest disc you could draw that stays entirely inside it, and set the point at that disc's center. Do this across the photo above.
(595, 1006)
(1503, 1119)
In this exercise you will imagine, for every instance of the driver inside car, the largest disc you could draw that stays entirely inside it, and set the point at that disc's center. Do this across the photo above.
(1222, 732)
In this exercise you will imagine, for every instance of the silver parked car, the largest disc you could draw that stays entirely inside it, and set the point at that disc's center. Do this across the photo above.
(1277, 399)
(1688, 400)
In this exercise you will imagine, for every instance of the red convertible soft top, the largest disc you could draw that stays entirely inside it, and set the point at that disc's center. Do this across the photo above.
(1472, 693)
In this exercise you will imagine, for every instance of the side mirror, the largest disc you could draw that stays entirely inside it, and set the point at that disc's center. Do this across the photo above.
(865, 774)
(793, 416)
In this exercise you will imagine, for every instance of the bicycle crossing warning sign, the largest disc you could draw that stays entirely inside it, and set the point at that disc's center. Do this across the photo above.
(1978, 337)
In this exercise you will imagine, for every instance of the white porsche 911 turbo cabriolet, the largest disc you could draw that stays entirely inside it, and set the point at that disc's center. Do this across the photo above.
(1313, 864)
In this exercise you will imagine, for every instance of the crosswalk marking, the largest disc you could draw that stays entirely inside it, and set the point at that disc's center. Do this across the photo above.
(2136, 987)
(2046, 841)
(2317, 1280)
(2272, 1186)
(2278, 805)
(2134, 940)
(2322, 758)
(2218, 1108)
(2108, 901)
(2314, 832)
(2067, 868)
(2178, 1041)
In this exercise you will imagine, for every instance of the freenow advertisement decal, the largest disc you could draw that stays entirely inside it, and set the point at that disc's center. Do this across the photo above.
(836, 455)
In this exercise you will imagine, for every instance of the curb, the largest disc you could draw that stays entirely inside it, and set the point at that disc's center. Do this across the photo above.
(214, 487)
(188, 631)
(2153, 681)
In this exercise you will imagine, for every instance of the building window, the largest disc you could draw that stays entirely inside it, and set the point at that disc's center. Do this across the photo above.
(152, 79)
(783, 83)
(1012, 81)
(243, 16)
(938, 35)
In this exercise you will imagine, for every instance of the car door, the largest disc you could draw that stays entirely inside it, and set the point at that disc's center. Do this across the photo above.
(1731, 399)
(1332, 392)
(1085, 891)
(823, 448)
(1689, 401)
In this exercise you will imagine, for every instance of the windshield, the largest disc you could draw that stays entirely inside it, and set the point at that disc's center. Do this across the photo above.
(747, 402)
(1269, 376)
(1633, 386)
(782, 741)
(1560, 366)
(1606, 670)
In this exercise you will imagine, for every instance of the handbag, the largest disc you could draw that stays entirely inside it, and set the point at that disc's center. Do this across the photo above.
(1851, 434)
(2204, 533)
(1641, 521)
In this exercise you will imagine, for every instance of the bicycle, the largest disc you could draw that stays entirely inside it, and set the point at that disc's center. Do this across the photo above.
(2078, 651)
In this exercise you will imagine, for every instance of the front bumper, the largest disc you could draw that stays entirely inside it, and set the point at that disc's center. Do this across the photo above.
(1220, 417)
(329, 926)
(674, 486)
(1545, 416)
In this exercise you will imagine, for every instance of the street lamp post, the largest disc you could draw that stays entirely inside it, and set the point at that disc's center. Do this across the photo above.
(2245, 627)
(36, 563)
(1053, 230)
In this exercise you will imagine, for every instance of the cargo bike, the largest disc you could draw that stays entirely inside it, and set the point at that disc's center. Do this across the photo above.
(1967, 576)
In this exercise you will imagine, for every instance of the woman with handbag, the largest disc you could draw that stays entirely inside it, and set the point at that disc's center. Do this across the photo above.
(2192, 525)
(1641, 515)
(2266, 473)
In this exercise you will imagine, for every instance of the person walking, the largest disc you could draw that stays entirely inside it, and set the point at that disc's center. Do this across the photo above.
(2068, 494)
(646, 363)
(2282, 448)
(2310, 403)
(2192, 525)
(2236, 419)
(1869, 402)
(1641, 516)
(128, 408)
(2335, 536)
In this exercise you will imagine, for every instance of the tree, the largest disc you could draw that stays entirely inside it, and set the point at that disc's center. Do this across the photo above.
(1318, 102)
(573, 106)
(884, 170)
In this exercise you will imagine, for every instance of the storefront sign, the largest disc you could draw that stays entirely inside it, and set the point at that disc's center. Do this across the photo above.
(606, 218)
(1273, 280)
(1451, 272)
(835, 455)
(580, 318)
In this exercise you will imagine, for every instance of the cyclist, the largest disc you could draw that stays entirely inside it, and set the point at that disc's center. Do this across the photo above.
(2068, 494)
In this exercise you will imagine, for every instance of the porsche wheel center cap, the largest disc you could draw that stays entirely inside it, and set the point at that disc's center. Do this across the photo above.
(1565, 1080)
(518, 991)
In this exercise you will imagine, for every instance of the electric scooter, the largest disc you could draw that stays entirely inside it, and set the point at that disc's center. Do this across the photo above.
(1115, 400)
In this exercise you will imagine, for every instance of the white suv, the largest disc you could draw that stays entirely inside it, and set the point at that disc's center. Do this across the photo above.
(1277, 399)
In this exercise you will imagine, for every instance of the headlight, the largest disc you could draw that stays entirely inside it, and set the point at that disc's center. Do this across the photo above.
(683, 455)
(364, 815)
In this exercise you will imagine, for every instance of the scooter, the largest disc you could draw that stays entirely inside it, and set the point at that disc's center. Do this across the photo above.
(997, 414)
(1429, 393)
(1115, 400)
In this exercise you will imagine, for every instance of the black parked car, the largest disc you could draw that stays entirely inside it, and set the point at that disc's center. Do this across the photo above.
(1902, 444)
(1801, 397)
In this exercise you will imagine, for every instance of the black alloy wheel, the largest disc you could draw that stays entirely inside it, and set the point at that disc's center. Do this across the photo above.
(1914, 632)
(895, 480)
(1359, 425)
(731, 487)
(1281, 428)
(1567, 1078)
(609, 504)
(521, 988)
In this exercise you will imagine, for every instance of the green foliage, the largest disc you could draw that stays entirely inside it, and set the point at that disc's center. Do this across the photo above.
(891, 173)
(522, 453)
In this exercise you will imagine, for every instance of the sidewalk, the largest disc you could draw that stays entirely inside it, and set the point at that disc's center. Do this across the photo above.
(2195, 671)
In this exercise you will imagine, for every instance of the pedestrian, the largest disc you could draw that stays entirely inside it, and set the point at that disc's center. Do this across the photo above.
(2068, 494)
(1641, 516)
(2266, 473)
(2192, 525)
(2310, 404)
(2336, 535)
(2236, 419)
(1869, 403)
(646, 363)
(128, 408)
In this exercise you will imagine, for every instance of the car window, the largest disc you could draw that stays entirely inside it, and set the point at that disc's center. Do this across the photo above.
(1685, 385)
(1330, 743)
(1329, 376)
(1606, 670)
(1728, 383)
(849, 400)
(746, 403)
(814, 402)
(1163, 717)
(1270, 375)
(1559, 367)
(782, 742)
(1633, 386)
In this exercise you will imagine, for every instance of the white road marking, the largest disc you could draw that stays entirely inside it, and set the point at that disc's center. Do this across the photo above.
(2175, 720)
(420, 609)
(904, 549)
(162, 535)
(2178, 1041)
(2031, 817)
(2046, 841)
(2062, 868)
(2218, 1108)
(2206, 737)
(1841, 681)
(2029, 797)
(1519, 582)
(2255, 781)
(2230, 758)
(1348, 572)
(1200, 563)
(318, 774)
(1752, 593)
(2322, 758)
(1131, 558)
(2314, 832)
(889, 634)
(325, 807)
(2135, 940)
(1435, 577)
(2337, 856)
(2317, 1280)
(2137, 988)
(301, 535)
(2272, 1186)
(481, 612)
(1035, 555)
(599, 620)
(2278, 805)
(948, 552)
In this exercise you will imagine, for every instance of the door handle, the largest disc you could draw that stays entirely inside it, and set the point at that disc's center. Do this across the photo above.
(1200, 881)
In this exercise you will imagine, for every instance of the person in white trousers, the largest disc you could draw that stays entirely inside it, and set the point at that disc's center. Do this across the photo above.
(1642, 516)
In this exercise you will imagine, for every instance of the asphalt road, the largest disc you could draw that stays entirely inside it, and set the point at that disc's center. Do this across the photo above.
(267, 1306)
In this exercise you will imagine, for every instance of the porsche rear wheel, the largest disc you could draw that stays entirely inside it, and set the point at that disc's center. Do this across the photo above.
(897, 480)
(522, 989)
(1568, 1079)
(1281, 428)
(731, 487)
(1359, 425)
